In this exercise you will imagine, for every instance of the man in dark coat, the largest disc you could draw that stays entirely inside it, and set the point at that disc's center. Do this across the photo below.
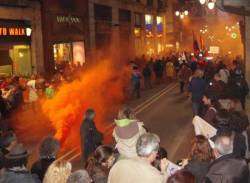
(90, 136)
(239, 89)
(226, 168)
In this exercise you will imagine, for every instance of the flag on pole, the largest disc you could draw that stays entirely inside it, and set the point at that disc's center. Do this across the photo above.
(195, 45)
(201, 42)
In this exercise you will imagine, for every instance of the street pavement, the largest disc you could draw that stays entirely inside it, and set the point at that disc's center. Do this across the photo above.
(164, 111)
(170, 117)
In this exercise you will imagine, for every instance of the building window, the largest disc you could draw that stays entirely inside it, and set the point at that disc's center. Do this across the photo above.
(137, 32)
(149, 25)
(148, 19)
(150, 3)
(15, 48)
(138, 19)
(103, 13)
(160, 4)
(124, 15)
(159, 25)
(73, 52)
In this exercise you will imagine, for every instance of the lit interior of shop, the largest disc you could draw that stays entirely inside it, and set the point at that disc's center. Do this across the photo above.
(15, 60)
(69, 52)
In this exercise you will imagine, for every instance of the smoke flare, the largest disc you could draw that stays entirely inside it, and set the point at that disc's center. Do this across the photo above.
(100, 88)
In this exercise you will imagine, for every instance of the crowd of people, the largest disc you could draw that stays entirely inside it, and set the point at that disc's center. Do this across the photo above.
(17, 91)
(217, 92)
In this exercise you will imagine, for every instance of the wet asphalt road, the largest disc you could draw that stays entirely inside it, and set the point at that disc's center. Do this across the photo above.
(170, 117)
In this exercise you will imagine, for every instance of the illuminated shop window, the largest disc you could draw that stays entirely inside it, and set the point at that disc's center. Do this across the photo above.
(137, 32)
(138, 19)
(149, 19)
(69, 52)
(149, 25)
(159, 21)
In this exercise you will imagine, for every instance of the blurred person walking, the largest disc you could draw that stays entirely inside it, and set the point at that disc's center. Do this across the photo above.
(147, 76)
(170, 70)
(3, 105)
(239, 89)
(183, 76)
(224, 73)
(197, 88)
(33, 96)
(136, 82)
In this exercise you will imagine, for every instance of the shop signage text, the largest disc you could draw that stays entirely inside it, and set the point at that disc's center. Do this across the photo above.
(12, 31)
(68, 19)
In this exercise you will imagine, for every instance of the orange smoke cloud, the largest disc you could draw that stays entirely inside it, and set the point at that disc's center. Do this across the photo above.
(100, 88)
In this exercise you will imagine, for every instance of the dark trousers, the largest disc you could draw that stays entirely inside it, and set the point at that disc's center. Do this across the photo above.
(136, 90)
(147, 82)
(243, 102)
(197, 108)
(182, 84)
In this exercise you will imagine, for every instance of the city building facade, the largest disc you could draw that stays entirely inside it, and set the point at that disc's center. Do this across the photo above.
(65, 30)
(21, 48)
(124, 29)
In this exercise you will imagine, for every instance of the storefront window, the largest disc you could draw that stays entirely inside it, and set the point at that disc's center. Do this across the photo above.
(15, 49)
(149, 19)
(138, 19)
(159, 21)
(149, 25)
(16, 61)
(63, 52)
(69, 52)
(137, 32)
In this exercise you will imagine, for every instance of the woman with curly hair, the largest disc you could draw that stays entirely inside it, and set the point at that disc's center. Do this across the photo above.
(58, 171)
(200, 158)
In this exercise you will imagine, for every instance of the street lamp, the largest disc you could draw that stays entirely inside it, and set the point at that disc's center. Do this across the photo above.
(211, 4)
(181, 14)
(28, 31)
(202, 1)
